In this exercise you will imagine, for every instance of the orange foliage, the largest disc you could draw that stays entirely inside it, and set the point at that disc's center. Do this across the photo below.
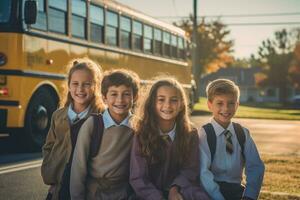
(260, 78)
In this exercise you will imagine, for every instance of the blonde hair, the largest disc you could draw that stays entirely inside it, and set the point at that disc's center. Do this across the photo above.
(222, 87)
(95, 71)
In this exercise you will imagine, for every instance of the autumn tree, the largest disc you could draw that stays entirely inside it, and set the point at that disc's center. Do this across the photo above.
(213, 47)
(277, 57)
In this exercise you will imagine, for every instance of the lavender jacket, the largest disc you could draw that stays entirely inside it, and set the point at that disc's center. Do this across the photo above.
(151, 181)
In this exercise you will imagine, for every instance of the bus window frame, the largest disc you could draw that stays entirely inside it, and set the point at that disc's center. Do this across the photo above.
(90, 22)
(66, 22)
(166, 46)
(78, 15)
(137, 35)
(148, 38)
(107, 26)
(160, 42)
(174, 47)
(130, 32)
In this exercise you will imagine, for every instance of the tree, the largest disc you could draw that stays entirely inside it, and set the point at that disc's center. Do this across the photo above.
(276, 57)
(213, 48)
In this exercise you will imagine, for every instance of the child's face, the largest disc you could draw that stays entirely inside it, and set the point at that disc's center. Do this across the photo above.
(119, 100)
(223, 108)
(168, 104)
(81, 89)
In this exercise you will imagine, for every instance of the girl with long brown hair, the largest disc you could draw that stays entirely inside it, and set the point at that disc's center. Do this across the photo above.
(165, 155)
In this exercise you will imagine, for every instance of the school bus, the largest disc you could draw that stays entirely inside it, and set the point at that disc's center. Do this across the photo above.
(39, 37)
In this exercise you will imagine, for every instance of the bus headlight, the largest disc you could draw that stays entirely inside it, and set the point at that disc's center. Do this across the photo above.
(3, 59)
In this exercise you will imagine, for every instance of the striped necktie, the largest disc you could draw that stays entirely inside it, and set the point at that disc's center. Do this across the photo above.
(166, 138)
(229, 145)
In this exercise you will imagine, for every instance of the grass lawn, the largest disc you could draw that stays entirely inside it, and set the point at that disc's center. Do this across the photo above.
(256, 111)
(282, 176)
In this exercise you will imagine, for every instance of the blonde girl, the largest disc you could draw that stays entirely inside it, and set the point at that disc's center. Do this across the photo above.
(165, 156)
(82, 97)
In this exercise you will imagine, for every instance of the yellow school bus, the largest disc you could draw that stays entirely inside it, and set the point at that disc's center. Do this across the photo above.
(39, 37)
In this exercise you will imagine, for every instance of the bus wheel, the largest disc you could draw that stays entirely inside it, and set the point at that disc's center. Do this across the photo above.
(38, 118)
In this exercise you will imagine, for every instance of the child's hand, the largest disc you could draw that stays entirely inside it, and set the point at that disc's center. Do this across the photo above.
(174, 194)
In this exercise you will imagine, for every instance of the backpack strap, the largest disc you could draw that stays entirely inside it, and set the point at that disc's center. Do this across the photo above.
(241, 137)
(97, 134)
(211, 139)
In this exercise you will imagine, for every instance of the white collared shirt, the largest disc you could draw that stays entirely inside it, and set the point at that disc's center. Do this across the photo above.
(109, 122)
(171, 133)
(229, 167)
(72, 115)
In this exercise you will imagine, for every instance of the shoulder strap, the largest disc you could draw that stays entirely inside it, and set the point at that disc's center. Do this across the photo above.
(96, 138)
(211, 139)
(240, 136)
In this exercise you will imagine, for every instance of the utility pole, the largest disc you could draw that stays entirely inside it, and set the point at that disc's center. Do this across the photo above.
(195, 68)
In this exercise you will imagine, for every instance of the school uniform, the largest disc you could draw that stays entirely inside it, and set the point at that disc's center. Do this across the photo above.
(152, 182)
(106, 175)
(59, 145)
(228, 168)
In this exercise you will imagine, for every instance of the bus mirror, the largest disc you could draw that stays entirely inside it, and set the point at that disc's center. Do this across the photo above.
(30, 12)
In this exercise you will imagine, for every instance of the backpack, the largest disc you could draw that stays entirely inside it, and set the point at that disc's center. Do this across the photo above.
(96, 139)
(212, 139)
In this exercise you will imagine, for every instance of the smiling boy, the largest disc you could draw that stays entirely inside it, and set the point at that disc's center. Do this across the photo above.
(226, 148)
(106, 176)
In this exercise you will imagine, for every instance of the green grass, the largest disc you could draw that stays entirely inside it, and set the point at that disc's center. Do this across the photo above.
(256, 111)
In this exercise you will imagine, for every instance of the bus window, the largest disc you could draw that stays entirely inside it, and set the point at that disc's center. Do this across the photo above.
(157, 41)
(174, 46)
(125, 32)
(181, 48)
(57, 16)
(41, 21)
(166, 41)
(96, 24)
(137, 36)
(5, 9)
(148, 37)
(111, 28)
(78, 18)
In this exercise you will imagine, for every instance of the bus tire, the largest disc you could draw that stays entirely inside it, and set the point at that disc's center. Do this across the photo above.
(38, 118)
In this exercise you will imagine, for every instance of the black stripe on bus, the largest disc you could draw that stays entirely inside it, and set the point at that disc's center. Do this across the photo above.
(9, 103)
(35, 74)
(111, 49)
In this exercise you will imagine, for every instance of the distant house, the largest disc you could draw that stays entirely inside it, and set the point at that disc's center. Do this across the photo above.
(245, 79)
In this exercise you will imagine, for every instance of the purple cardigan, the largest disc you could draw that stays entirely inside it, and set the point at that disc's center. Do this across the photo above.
(149, 182)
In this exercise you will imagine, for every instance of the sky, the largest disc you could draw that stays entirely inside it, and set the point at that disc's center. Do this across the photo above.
(247, 38)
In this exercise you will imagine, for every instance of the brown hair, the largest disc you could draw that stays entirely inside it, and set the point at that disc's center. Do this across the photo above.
(222, 87)
(146, 126)
(96, 72)
(119, 77)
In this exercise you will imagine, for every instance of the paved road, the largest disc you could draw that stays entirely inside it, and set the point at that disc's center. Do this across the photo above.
(20, 172)
(271, 136)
